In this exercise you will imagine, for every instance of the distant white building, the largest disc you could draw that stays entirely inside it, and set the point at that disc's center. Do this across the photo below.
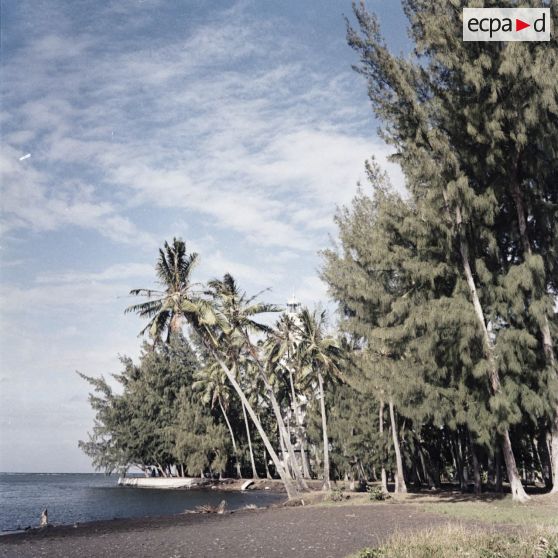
(293, 307)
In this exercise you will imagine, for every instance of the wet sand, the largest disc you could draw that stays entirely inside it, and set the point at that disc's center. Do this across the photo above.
(288, 532)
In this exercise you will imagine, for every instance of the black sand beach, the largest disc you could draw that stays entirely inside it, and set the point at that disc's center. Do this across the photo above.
(288, 532)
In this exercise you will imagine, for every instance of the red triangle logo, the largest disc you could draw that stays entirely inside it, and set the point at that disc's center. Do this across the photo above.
(519, 25)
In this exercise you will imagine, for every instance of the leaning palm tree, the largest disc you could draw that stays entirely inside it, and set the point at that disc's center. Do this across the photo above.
(166, 307)
(281, 351)
(213, 328)
(320, 357)
(239, 311)
(211, 381)
(252, 390)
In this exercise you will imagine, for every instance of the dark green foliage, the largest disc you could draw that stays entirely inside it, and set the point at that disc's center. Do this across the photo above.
(376, 494)
(145, 423)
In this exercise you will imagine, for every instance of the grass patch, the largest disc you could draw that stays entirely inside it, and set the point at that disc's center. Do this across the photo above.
(540, 511)
(455, 541)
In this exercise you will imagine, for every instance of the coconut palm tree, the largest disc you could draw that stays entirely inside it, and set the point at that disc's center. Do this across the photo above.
(238, 310)
(320, 357)
(166, 307)
(217, 334)
(281, 351)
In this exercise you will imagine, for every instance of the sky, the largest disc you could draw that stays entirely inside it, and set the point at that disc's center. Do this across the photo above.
(238, 126)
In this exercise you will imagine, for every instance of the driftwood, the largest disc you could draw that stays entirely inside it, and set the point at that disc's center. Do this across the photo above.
(208, 508)
(44, 518)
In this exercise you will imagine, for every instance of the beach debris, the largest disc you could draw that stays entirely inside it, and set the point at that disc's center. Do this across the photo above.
(43, 522)
(26, 156)
(246, 484)
(208, 508)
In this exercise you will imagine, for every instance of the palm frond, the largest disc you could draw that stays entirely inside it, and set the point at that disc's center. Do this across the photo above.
(145, 309)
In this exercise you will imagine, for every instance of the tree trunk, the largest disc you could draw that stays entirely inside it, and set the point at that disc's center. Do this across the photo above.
(460, 462)
(518, 493)
(554, 454)
(292, 491)
(548, 345)
(426, 471)
(327, 482)
(498, 471)
(237, 464)
(541, 448)
(252, 461)
(300, 481)
(267, 472)
(383, 473)
(400, 485)
(283, 433)
(175, 326)
(476, 468)
(300, 429)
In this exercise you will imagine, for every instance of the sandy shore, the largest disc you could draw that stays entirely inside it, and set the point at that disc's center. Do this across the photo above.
(288, 532)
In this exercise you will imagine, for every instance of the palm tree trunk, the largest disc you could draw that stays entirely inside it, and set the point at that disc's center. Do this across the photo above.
(548, 345)
(237, 464)
(518, 493)
(327, 482)
(300, 430)
(300, 481)
(292, 491)
(252, 461)
(400, 485)
(267, 472)
(383, 474)
(175, 326)
(286, 439)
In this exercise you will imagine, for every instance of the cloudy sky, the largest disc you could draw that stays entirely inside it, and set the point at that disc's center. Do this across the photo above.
(236, 125)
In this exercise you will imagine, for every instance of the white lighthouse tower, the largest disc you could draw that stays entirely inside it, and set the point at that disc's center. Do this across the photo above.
(293, 307)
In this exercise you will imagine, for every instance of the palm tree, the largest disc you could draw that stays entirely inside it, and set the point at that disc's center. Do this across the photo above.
(320, 357)
(166, 307)
(211, 381)
(252, 389)
(216, 331)
(238, 310)
(281, 354)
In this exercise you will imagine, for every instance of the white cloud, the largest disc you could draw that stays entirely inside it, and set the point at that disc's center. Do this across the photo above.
(208, 124)
(115, 272)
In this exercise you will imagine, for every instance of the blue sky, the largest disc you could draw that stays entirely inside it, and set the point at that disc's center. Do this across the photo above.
(236, 125)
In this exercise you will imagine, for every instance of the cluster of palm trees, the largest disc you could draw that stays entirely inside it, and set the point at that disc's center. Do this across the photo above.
(242, 357)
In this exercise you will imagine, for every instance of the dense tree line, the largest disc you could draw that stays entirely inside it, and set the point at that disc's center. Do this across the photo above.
(442, 366)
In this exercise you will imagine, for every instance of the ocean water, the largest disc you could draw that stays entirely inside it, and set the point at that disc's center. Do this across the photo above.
(72, 498)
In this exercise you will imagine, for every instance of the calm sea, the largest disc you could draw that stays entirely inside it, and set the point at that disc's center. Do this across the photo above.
(72, 498)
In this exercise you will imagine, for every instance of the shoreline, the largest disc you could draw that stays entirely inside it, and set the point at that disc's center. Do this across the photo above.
(120, 524)
(275, 531)
(224, 486)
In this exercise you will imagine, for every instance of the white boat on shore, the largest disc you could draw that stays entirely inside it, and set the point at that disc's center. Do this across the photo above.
(161, 482)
